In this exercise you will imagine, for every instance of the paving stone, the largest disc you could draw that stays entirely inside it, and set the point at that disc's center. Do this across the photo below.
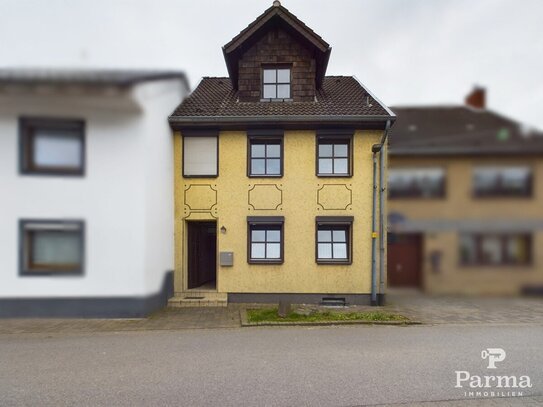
(466, 310)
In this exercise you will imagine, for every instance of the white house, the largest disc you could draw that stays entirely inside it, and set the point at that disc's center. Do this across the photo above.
(86, 191)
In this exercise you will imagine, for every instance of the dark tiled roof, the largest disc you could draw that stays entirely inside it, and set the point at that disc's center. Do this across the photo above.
(95, 77)
(339, 96)
(459, 130)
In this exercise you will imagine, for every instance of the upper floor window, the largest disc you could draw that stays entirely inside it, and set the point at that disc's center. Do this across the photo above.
(495, 249)
(334, 157)
(502, 181)
(51, 146)
(276, 83)
(51, 247)
(416, 183)
(265, 156)
(200, 156)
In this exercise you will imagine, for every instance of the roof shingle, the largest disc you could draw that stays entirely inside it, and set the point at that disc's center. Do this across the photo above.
(339, 96)
(436, 130)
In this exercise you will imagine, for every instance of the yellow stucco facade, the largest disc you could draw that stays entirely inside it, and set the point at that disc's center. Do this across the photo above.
(447, 217)
(299, 195)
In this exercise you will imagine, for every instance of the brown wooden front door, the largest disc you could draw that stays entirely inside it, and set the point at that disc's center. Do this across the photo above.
(202, 253)
(404, 260)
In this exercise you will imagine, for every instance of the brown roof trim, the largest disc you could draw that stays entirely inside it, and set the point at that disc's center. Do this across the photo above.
(286, 15)
(286, 122)
(278, 119)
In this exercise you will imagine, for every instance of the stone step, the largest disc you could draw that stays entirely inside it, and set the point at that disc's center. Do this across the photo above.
(198, 299)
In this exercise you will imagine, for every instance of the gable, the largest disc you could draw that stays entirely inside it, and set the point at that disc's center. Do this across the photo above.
(276, 17)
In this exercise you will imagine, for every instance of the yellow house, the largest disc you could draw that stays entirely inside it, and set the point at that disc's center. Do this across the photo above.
(465, 201)
(277, 171)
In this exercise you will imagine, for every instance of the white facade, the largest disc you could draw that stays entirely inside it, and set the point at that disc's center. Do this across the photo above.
(125, 196)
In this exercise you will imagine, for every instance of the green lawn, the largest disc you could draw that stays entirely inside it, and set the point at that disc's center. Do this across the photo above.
(270, 315)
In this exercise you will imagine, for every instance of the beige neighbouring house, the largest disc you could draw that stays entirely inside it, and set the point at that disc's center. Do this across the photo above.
(465, 201)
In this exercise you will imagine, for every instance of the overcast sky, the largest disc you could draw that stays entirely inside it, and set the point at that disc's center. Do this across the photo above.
(405, 52)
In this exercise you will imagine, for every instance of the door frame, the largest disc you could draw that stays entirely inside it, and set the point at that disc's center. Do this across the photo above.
(186, 254)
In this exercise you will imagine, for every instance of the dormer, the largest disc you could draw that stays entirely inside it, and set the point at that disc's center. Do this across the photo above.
(277, 58)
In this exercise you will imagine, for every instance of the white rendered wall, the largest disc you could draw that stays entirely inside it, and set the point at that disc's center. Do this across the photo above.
(159, 99)
(121, 259)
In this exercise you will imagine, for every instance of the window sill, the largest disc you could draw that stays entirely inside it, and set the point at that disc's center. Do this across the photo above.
(335, 262)
(50, 273)
(200, 176)
(265, 176)
(335, 175)
(420, 198)
(501, 196)
(500, 266)
(54, 172)
(277, 100)
(263, 262)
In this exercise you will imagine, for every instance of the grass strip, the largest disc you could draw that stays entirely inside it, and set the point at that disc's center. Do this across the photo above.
(270, 315)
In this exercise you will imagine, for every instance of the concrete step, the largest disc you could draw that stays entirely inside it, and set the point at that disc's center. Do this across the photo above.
(198, 299)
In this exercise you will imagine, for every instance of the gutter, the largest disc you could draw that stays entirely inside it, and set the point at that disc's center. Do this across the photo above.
(376, 148)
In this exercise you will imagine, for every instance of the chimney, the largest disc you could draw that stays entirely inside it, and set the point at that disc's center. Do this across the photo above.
(477, 98)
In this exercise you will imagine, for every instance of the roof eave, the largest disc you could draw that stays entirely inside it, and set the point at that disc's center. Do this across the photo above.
(95, 82)
(231, 68)
(373, 121)
(321, 73)
(426, 152)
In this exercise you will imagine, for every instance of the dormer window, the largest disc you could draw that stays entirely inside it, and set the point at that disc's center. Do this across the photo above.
(276, 83)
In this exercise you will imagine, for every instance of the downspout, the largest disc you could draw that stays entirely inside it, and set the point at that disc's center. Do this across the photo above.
(375, 149)
(382, 231)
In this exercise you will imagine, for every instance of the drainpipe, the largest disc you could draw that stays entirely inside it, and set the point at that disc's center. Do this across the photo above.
(382, 231)
(375, 149)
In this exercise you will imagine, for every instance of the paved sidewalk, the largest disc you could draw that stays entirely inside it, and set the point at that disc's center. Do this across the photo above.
(167, 319)
(426, 309)
(466, 310)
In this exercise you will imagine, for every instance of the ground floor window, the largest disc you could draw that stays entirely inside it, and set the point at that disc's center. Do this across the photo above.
(334, 240)
(265, 239)
(51, 247)
(495, 249)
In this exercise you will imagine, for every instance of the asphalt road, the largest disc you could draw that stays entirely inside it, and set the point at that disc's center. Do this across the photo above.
(321, 366)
